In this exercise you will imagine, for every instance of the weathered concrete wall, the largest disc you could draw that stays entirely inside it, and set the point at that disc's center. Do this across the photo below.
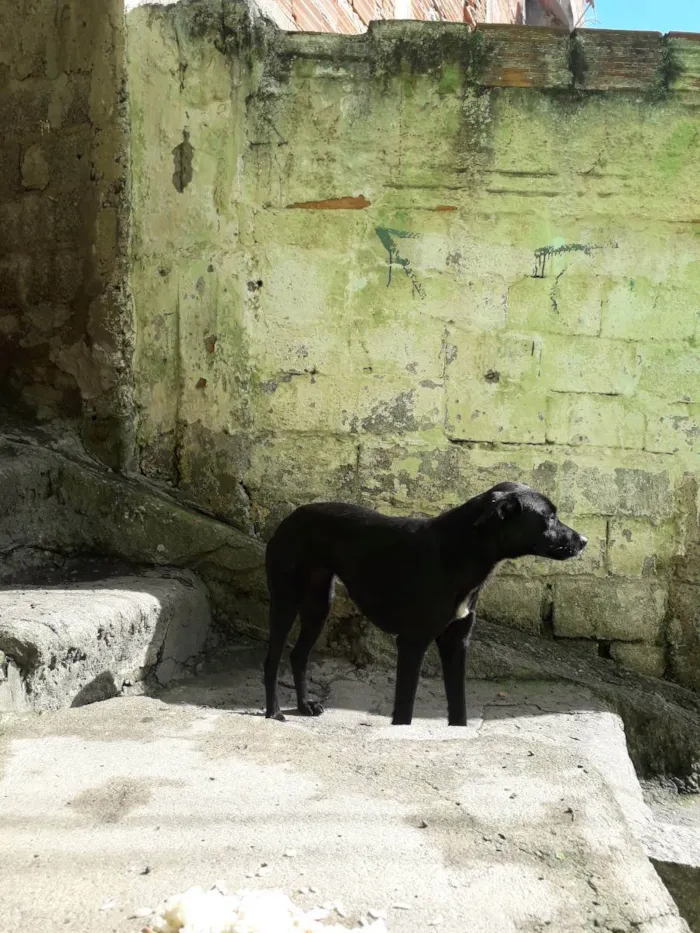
(398, 268)
(65, 320)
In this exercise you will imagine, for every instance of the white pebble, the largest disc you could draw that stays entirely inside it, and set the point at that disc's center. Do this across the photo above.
(290, 853)
(141, 913)
(436, 922)
(108, 905)
(402, 906)
(375, 914)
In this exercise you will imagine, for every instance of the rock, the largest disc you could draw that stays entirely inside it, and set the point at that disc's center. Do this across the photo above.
(683, 883)
(75, 645)
(55, 504)
(649, 660)
(662, 720)
(12, 693)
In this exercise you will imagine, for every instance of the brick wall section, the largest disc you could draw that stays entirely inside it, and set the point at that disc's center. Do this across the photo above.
(395, 281)
(64, 317)
(354, 16)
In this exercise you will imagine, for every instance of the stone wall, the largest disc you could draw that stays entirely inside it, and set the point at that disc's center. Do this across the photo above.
(398, 268)
(65, 329)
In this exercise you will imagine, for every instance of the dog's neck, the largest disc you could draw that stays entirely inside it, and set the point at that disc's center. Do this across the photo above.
(464, 545)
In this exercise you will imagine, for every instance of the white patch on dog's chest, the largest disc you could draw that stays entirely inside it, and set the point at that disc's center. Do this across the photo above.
(462, 609)
(466, 605)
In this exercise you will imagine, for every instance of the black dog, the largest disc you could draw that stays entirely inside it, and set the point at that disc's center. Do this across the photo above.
(418, 579)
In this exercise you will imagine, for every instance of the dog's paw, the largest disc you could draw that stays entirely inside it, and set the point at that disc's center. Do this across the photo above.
(278, 716)
(311, 708)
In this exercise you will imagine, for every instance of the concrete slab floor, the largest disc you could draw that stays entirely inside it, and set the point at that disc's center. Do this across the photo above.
(528, 820)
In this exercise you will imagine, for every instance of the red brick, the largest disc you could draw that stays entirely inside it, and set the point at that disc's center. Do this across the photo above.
(366, 10)
(453, 10)
(348, 20)
(286, 7)
(326, 9)
(307, 17)
(336, 16)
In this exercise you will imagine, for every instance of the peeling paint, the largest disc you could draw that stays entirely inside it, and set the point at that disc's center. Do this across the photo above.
(358, 203)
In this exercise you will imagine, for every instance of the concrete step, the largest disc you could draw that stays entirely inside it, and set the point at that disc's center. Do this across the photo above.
(527, 820)
(75, 643)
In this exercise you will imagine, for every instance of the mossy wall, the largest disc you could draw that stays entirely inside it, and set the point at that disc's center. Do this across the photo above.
(395, 269)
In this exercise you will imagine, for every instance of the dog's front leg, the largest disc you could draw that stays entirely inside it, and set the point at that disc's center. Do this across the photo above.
(409, 663)
(452, 645)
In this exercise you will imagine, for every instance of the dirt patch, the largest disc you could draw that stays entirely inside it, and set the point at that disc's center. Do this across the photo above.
(115, 799)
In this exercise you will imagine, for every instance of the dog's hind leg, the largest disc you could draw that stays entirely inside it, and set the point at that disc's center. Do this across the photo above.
(452, 645)
(315, 606)
(410, 661)
(282, 614)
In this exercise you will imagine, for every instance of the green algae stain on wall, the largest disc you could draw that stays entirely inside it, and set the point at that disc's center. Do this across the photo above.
(401, 271)
(680, 149)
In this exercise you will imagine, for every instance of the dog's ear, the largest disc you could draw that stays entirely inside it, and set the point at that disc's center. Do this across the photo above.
(501, 505)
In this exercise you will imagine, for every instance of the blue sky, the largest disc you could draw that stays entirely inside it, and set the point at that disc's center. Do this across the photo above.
(660, 15)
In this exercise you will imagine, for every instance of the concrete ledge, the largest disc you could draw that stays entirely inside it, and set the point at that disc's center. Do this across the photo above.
(508, 56)
(74, 645)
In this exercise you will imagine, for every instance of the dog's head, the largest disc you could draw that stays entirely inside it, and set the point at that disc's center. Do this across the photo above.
(521, 521)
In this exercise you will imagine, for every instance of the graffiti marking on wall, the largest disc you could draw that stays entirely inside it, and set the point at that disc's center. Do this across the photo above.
(387, 238)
